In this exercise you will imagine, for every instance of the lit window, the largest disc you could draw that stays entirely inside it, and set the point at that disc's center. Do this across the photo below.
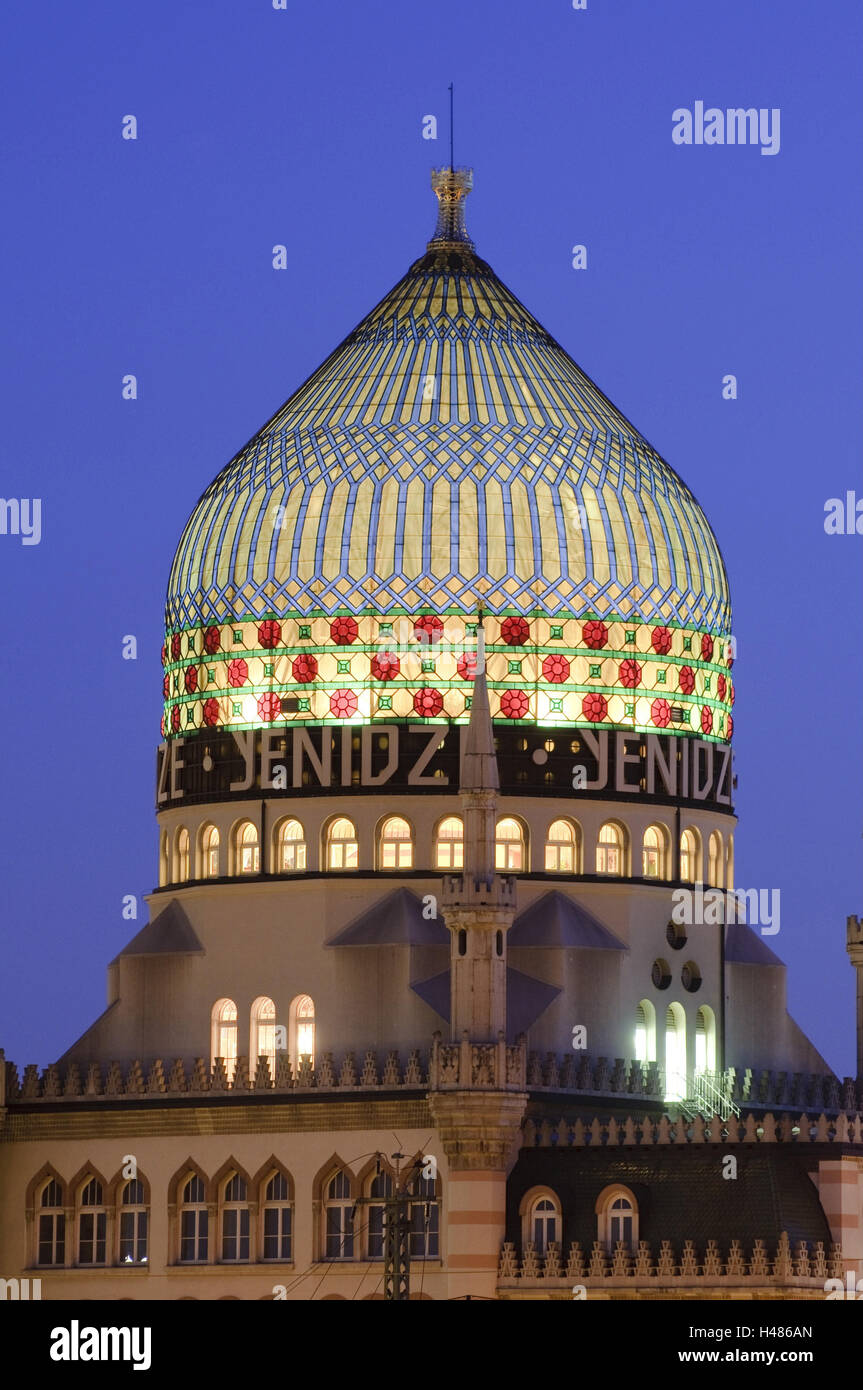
(609, 850)
(210, 852)
(194, 1232)
(263, 1033)
(277, 1219)
(509, 846)
(133, 1224)
(92, 1225)
(675, 1053)
(705, 1040)
(617, 1219)
(560, 848)
(52, 1226)
(235, 1220)
(544, 1224)
(449, 844)
(224, 1029)
(302, 1039)
(164, 867)
(338, 1219)
(397, 851)
(182, 855)
(690, 869)
(620, 1217)
(380, 1188)
(715, 860)
(342, 848)
(653, 852)
(248, 857)
(292, 847)
(645, 1032)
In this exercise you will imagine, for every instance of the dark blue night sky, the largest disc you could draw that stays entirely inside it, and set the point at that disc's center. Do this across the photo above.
(304, 127)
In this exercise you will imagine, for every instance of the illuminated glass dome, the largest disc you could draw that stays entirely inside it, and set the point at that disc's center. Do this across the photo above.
(449, 456)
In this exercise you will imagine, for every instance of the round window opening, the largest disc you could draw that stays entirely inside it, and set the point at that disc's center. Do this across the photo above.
(661, 974)
(675, 935)
(690, 977)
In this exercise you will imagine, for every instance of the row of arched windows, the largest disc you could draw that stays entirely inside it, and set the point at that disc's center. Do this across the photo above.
(616, 1213)
(564, 851)
(234, 1220)
(266, 1036)
(673, 1044)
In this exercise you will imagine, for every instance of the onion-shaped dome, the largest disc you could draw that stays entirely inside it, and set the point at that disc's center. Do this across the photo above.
(448, 457)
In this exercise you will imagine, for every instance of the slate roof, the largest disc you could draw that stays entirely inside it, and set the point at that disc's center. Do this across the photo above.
(556, 920)
(526, 998)
(169, 934)
(746, 947)
(395, 920)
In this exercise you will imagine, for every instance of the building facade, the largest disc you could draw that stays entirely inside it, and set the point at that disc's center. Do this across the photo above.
(445, 931)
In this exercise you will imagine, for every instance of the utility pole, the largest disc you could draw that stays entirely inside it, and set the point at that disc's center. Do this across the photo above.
(397, 1261)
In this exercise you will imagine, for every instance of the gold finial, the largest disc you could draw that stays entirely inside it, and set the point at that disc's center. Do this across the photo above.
(451, 187)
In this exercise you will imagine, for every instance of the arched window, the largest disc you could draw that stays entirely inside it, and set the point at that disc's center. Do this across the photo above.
(133, 1224)
(262, 1042)
(617, 1219)
(224, 1034)
(449, 843)
(194, 1232)
(380, 1188)
(653, 854)
(342, 847)
(705, 1040)
(729, 864)
(247, 852)
(645, 1032)
(338, 1218)
(92, 1224)
(675, 1053)
(52, 1225)
(509, 846)
(291, 857)
(561, 848)
(544, 1225)
(235, 1220)
(397, 850)
(164, 866)
(690, 857)
(609, 849)
(209, 852)
(301, 1039)
(182, 855)
(278, 1223)
(424, 1216)
(715, 863)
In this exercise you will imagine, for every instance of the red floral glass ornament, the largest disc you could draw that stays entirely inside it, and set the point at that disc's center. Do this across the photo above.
(730, 726)
(238, 672)
(686, 679)
(706, 647)
(269, 706)
(630, 673)
(428, 702)
(428, 628)
(212, 640)
(344, 631)
(164, 655)
(175, 719)
(514, 704)
(466, 666)
(176, 645)
(594, 707)
(191, 679)
(556, 669)
(706, 720)
(162, 726)
(385, 666)
(304, 668)
(515, 631)
(269, 633)
(211, 712)
(660, 713)
(594, 634)
(165, 687)
(343, 703)
(732, 694)
(661, 640)
(721, 686)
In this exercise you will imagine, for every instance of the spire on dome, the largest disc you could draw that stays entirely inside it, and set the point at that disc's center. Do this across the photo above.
(451, 187)
(479, 768)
